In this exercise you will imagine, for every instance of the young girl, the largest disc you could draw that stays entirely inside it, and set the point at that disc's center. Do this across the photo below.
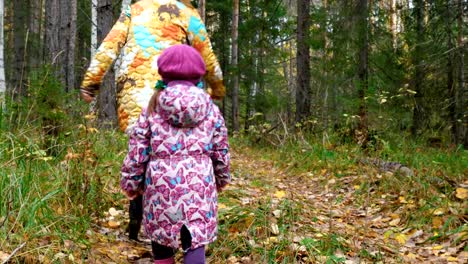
(178, 159)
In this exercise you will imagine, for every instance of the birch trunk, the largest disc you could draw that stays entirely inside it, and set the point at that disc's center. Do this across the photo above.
(125, 4)
(2, 65)
(94, 45)
(234, 60)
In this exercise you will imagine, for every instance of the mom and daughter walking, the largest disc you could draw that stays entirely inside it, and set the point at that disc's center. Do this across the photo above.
(178, 151)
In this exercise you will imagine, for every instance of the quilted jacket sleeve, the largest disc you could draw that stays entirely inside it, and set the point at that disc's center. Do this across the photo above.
(134, 165)
(220, 155)
(105, 55)
(199, 39)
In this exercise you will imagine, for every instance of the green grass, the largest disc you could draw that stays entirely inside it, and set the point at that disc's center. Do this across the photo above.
(52, 188)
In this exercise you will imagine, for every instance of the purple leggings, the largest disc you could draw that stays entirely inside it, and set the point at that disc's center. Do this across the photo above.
(165, 255)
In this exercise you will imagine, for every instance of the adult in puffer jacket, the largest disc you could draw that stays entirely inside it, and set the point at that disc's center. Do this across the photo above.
(142, 32)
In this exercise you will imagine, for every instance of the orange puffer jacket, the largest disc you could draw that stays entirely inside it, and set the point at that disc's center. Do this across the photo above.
(137, 39)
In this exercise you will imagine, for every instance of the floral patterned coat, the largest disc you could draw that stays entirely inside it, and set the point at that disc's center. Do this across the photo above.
(135, 43)
(179, 156)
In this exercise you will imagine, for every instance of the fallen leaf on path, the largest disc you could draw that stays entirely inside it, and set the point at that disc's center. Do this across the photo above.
(277, 213)
(439, 211)
(274, 229)
(437, 222)
(280, 194)
(461, 193)
(401, 238)
(113, 224)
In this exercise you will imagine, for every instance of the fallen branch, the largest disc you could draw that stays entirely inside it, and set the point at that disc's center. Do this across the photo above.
(389, 166)
(13, 253)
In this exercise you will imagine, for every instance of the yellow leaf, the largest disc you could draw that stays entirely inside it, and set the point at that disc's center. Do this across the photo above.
(387, 234)
(401, 238)
(402, 200)
(439, 247)
(439, 211)
(90, 117)
(280, 194)
(222, 206)
(452, 259)
(93, 130)
(357, 187)
(437, 222)
(462, 193)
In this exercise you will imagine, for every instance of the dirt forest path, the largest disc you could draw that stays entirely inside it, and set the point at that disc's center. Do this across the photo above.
(269, 215)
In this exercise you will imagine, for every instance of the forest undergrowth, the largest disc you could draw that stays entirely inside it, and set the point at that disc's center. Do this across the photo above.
(305, 201)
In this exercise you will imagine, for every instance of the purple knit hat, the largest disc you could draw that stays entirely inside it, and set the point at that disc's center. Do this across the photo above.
(181, 62)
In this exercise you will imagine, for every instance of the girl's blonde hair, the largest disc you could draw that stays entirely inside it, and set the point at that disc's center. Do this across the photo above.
(153, 102)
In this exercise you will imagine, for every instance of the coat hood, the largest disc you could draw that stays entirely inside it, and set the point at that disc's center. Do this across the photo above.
(183, 104)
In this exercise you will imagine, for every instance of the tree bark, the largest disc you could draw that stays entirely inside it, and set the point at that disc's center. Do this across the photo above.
(71, 47)
(450, 80)
(35, 37)
(419, 108)
(94, 28)
(234, 61)
(303, 93)
(2, 64)
(363, 67)
(106, 100)
(60, 37)
(202, 9)
(20, 19)
(461, 95)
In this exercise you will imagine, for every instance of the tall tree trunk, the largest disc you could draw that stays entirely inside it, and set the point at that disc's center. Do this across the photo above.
(94, 28)
(71, 47)
(35, 34)
(234, 60)
(106, 100)
(393, 23)
(303, 93)
(363, 67)
(2, 64)
(419, 108)
(461, 95)
(450, 69)
(325, 82)
(292, 88)
(20, 19)
(202, 9)
(60, 37)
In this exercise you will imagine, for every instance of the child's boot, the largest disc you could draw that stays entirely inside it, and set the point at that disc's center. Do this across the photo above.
(136, 215)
